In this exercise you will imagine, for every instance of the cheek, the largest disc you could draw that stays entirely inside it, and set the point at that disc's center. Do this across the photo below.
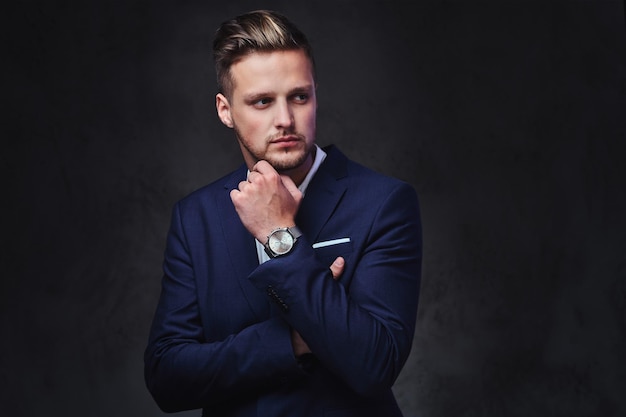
(309, 120)
(250, 125)
(305, 114)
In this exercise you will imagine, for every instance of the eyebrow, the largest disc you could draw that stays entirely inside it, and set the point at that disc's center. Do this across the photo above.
(252, 97)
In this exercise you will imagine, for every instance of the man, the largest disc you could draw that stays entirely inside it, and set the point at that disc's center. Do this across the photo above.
(290, 286)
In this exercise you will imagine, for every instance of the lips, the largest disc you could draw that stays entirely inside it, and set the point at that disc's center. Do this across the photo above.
(286, 141)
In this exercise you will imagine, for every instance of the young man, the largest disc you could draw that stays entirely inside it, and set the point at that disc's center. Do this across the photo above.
(290, 286)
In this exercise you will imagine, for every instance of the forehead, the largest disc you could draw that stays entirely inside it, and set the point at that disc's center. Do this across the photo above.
(272, 71)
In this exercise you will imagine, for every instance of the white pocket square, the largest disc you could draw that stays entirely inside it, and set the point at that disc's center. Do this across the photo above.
(331, 242)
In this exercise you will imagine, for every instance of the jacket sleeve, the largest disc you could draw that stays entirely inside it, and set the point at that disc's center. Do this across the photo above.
(183, 370)
(361, 331)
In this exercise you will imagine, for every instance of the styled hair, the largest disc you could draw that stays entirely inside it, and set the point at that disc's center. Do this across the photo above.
(257, 31)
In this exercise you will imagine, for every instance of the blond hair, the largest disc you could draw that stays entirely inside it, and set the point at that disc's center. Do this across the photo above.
(257, 31)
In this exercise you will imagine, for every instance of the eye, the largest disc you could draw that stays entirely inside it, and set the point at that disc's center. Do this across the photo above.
(262, 103)
(301, 98)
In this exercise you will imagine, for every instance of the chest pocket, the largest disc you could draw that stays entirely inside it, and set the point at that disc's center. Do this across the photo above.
(328, 250)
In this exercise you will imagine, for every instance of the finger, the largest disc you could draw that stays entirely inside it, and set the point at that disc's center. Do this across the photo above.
(337, 267)
(299, 345)
(252, 175)
(290, 185)
(242, 185)
(234, 194)
(263, 167)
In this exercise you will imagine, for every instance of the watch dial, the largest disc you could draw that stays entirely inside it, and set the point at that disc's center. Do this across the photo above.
(280, 242)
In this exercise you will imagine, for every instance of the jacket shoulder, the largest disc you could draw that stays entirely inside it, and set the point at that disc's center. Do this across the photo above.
(358, 175)
(223, 185)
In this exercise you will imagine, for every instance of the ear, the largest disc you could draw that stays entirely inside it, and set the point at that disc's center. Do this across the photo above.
(223, 110)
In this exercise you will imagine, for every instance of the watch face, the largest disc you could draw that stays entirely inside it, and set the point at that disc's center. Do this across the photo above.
(280, 242)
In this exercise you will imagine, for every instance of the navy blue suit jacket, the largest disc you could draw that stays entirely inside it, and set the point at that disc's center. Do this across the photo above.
(220, 339)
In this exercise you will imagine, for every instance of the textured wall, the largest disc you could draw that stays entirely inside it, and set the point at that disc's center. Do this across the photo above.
(507, 117)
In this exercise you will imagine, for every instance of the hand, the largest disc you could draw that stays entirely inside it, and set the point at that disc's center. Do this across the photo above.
(299, 345)
(265, 201)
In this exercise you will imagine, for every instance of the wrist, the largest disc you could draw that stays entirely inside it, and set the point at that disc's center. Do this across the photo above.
(281, 241)
(263, 230)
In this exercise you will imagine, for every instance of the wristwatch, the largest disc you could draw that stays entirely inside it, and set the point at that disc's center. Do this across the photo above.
(281, 241)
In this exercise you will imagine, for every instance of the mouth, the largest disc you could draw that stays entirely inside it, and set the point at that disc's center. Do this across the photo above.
(287, 140)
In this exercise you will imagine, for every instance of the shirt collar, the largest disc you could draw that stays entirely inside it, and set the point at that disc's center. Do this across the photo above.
(320, 155)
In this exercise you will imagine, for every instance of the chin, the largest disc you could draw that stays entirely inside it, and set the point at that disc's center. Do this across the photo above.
(288, 162)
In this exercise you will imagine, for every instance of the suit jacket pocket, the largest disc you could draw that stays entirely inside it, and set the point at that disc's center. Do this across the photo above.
(329, 250)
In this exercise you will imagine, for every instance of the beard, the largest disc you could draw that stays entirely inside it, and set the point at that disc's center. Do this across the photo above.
(283, 159)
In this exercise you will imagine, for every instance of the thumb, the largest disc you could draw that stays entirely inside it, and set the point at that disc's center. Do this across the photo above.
(337, 267)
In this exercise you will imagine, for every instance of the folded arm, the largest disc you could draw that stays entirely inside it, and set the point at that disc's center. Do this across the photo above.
(183, 369)
(361, 330)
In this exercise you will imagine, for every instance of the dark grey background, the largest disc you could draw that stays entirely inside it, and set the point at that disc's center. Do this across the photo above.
(507, 117)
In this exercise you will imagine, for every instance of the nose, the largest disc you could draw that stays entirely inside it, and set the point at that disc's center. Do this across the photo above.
(283, 118)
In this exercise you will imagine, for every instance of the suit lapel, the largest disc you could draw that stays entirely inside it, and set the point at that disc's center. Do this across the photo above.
(323, 194)
(241, 247)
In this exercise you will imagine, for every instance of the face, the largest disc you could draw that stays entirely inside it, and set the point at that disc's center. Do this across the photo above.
(272, 110)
